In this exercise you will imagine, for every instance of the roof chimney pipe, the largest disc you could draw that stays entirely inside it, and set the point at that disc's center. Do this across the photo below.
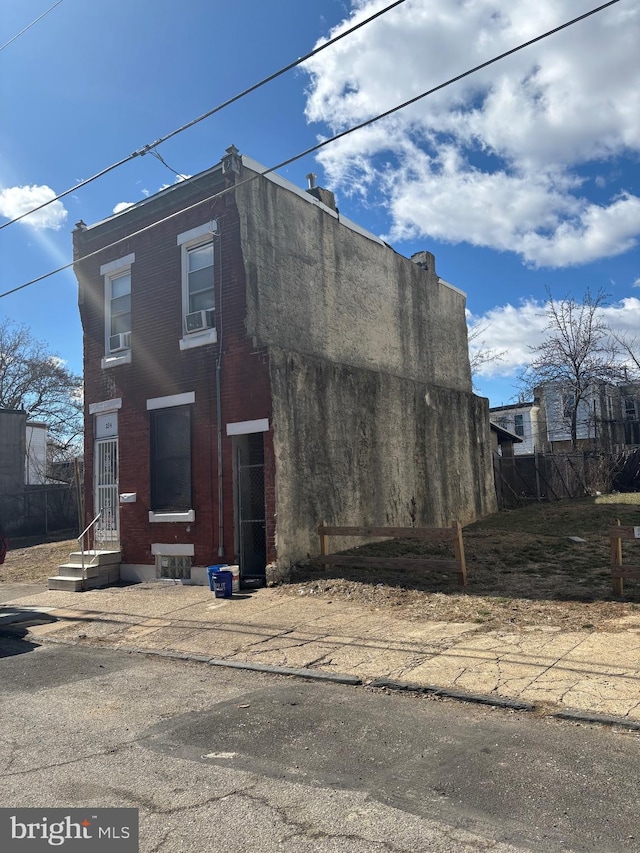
(311, 178)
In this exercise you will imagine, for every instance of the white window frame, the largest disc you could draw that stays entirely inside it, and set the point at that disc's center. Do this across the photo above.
(172, 400)
(519, 424)
(193, 239)
(111, 271)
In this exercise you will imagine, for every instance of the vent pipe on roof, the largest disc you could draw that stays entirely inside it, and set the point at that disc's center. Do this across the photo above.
(325, 196)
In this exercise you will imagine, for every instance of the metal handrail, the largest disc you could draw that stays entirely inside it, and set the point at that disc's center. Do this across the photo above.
(80, 538)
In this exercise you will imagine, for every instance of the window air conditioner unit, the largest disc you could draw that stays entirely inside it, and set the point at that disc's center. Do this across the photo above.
(120, 341)
(198, 320)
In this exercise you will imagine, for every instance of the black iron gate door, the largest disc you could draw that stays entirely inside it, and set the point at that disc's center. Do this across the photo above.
(252, 522)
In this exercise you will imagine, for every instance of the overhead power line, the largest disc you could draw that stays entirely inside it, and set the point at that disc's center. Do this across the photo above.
(316, 147)
(140, 152)
(28, 27)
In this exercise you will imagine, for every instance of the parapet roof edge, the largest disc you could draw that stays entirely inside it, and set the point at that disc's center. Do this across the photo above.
(513, 406)
(277, 179)
(164, 191)
(252, 164)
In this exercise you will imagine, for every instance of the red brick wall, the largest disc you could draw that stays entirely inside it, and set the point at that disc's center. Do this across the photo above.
(159, 368)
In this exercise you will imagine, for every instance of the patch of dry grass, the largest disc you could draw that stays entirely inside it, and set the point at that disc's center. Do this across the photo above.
(522, 570)
(33, 561)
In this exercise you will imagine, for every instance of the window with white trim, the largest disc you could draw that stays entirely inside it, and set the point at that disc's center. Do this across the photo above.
(198, 287)
(171, 459)
(117, 311)
(518, 425)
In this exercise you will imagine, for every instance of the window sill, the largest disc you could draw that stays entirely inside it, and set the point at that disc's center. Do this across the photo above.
(188, 515)
(115, 360)
(199, 339)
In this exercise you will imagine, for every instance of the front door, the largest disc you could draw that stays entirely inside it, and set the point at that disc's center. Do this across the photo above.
(106, 494)
(250, 508)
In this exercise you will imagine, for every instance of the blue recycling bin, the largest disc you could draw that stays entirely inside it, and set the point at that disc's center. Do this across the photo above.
(223, 584)
(213, 570)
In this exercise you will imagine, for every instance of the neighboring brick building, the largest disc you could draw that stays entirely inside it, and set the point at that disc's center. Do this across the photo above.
(254, 363)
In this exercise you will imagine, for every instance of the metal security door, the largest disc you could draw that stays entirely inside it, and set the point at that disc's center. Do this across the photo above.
(106, 493)
(251, 518)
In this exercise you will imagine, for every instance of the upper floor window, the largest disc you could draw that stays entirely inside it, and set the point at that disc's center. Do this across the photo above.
(117, 311)
(609, 407)
(120, 311)
(630, 413)
(518, 425)
(568, 405)
(200, 294)
(198, 286)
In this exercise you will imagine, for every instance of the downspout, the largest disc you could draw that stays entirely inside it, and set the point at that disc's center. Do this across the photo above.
(220, 489)
(219, 413)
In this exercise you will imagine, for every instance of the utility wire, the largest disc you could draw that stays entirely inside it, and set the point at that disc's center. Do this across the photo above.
(140, 152)
(28, 27)
(316, 147)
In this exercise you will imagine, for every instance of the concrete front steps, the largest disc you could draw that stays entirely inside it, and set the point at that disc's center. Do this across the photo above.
(101, 568)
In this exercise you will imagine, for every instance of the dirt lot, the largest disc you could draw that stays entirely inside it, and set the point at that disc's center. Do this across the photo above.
(33, 561)
(523, 570)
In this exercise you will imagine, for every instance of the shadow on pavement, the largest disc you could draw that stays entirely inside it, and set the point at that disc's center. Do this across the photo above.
(12, 642)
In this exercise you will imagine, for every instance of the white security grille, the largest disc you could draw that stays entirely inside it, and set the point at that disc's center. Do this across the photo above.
(106, 483)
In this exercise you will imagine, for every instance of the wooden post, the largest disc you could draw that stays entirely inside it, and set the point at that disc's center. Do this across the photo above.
(616, 560)
(324, 543)
(458, 548)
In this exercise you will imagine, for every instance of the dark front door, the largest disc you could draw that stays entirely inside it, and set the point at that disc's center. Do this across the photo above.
(250, 513)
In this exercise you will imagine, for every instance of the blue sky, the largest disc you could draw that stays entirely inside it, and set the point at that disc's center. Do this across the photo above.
(522, 177)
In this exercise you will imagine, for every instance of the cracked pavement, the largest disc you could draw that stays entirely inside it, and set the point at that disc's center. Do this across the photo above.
(591, 671)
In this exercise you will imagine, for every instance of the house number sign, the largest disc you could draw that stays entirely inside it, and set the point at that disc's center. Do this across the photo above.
(107, 425)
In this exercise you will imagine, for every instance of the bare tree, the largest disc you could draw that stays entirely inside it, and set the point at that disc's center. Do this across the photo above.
(36, 380)
(479, 353)
(629, 352)
(576, 354)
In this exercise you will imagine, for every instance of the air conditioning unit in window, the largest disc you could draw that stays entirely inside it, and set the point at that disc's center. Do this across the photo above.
(198, 320)
(120, 341)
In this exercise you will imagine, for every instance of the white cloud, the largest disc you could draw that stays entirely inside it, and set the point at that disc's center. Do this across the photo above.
(14, 201)
(123, 205)
(636, 283)
(497, 159)
(514, 329)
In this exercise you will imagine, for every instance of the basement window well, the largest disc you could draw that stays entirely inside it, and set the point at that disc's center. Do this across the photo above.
(173, 567)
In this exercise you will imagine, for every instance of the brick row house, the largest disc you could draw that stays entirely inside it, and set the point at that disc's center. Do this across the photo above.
(255, 363)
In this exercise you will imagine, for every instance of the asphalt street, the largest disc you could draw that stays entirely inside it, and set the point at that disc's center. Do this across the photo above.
(219, 759)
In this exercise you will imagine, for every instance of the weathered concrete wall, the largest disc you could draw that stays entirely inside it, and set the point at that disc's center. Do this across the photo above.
(317, 286)
(357, 446)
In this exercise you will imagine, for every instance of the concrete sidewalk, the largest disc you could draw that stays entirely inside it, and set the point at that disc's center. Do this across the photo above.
(592, 672)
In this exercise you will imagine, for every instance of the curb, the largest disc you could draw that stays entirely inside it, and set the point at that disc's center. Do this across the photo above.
(315, 675)
(460, 695)
(600, 719)
(505, 703)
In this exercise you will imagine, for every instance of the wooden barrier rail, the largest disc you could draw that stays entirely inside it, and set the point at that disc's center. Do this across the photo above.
(618, 570)
(451, 534)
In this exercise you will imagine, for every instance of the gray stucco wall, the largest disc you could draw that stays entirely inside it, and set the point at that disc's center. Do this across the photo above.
(357, 446)
(316, 286)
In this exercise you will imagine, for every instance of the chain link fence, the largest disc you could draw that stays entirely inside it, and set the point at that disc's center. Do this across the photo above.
(39, 510)
(556, 476)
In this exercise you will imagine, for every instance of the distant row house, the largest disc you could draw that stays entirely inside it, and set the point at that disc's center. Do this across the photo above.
(608, 418)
